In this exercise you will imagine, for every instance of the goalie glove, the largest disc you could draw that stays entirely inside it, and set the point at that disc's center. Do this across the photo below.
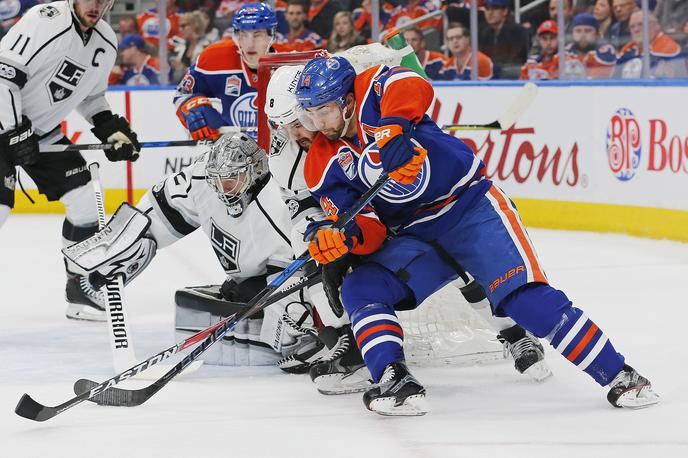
(111, 128)
(119, 248)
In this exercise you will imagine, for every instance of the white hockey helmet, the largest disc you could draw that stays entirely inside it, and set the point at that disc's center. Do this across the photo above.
(281, 105)
(236, 164)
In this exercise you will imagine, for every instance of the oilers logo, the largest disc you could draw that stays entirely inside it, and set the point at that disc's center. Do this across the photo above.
(623, 144)
(370, 169)
(151, 27)
(244, 111)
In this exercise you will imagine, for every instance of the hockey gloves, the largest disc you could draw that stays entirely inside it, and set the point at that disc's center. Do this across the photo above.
(400, 157)
(20, 145)
(328, 244)
(112, 128)
(200, 118)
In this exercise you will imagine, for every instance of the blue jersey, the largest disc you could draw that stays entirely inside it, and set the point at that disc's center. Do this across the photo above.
(219, 72)
(337, 173)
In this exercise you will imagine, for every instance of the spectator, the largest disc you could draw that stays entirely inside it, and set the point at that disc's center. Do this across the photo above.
(299, 37)
(414, 9)
(149, 25)
(211, 33)
(545, 65)
(620, 32)
(459, 44)
(666, 58)
(436, 65)
(503, 40)
(588, 56)
(344, 34)
(582, 6)
(139, 68)
(321, 16)
(192, 30)
(127, 26)
(568, 11)
(672, 15)
(603, 14)
(363, 17)
(11, 11)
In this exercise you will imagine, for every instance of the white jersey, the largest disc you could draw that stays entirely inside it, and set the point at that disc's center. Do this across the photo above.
(246, 246)
(48, 67)
(286, 162)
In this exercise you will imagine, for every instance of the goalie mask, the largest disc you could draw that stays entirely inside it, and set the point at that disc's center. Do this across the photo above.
(235, 166)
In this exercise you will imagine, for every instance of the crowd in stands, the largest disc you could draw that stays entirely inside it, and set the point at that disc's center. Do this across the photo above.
(603, 38)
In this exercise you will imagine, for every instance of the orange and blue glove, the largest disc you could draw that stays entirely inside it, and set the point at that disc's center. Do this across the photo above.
(328, 244)
(200, 118)
(400, 157)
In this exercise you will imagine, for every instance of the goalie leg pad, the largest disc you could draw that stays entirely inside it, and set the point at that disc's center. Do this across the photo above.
(119, 248)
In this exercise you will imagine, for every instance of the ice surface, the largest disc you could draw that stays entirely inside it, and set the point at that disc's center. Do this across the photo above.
(635, 289)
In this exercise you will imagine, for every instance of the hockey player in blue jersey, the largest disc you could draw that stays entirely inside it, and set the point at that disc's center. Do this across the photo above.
(439, 206)
(227, 70)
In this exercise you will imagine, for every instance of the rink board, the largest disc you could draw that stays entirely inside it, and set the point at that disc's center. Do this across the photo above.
(587, 156)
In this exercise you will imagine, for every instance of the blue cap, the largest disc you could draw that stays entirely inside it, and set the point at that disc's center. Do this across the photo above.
(133, 39)
(585, 19)
(497, 3)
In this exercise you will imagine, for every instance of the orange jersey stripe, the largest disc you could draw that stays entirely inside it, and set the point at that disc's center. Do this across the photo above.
(406, 95)
(583, 343)
(538, 276)
(378, 328)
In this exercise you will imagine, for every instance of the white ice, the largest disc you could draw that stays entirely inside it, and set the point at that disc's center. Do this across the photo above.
(635, 289)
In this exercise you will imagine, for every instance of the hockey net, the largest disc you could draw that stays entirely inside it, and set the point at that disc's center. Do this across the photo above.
(445, 329)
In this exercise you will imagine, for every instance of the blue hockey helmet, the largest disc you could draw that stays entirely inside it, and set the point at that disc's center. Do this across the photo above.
(254, 16)
(325, 80)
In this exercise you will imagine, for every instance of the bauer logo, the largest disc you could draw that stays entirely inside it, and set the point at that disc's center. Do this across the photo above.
(370, 169)
(623, 144)
(244, 111)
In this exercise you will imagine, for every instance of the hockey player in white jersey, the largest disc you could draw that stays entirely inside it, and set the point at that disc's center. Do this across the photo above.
(57, 58)
(343, 371)
(228, 193)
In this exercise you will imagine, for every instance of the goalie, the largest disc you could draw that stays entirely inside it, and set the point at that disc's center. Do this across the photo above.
(229, 193)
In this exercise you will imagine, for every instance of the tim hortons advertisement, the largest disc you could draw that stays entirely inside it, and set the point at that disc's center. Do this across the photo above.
(597, 144)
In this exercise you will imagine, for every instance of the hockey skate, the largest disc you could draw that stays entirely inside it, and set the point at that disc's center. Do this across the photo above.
(527, 351)
(84, 302)
(397, 394)
(631, 390)
(343, 370)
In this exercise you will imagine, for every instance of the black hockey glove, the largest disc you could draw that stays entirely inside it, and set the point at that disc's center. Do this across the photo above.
(20, 145)
(333, 274)
(111, 128)
(244, 291)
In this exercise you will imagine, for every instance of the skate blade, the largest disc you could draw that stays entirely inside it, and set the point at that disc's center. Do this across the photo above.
(336, 384)
(413, 406)
(638, 398)
(539, 372)
(82, 312)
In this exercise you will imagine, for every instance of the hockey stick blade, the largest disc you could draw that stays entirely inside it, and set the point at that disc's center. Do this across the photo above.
(518, 106)
(27, 407)
(132, 398)
(122, 397)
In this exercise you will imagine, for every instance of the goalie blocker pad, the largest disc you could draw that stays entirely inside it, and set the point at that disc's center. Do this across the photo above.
(261, 340)
(120, 247)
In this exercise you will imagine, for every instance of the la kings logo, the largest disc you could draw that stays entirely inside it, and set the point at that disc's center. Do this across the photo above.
(49, 12)
(65, 80)
(226, 248)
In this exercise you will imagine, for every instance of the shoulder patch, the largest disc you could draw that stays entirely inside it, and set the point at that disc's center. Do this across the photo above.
(48, 11)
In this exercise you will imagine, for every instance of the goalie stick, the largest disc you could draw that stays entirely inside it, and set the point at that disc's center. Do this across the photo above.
(119, 335)
(27, 407)
(519, 105)
(133, 398)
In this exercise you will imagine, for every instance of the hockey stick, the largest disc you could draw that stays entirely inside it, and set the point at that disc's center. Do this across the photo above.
(27, 407)
(132, 398)
(519, 105)
(121, 343)
(159, 144)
